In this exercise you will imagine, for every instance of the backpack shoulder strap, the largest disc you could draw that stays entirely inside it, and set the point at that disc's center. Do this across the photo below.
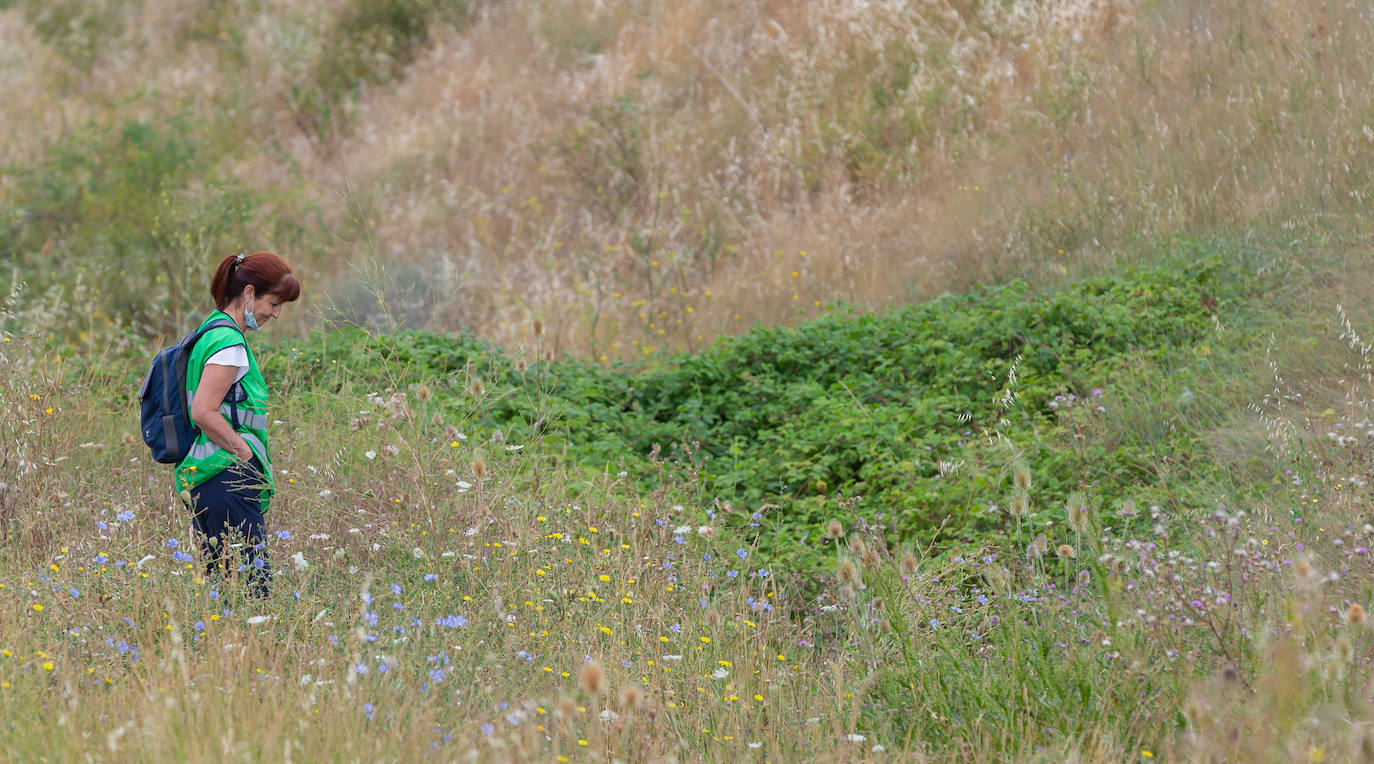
(188, 344)
(195, 336)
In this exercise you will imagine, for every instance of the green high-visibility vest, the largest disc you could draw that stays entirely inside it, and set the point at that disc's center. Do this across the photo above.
(248, 417)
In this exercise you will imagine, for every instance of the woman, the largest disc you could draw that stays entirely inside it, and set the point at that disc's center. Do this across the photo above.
(226, 477)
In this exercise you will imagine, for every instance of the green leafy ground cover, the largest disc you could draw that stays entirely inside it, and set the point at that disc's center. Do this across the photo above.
(921, 412)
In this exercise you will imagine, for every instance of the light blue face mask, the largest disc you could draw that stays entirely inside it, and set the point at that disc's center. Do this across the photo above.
(250, 321)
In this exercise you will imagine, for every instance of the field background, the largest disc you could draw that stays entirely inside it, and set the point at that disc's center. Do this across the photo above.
(701, 380)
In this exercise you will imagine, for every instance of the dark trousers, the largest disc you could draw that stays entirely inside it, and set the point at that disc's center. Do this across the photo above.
(227, 510)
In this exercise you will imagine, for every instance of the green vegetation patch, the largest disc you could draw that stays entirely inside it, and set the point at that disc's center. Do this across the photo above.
(923, 411)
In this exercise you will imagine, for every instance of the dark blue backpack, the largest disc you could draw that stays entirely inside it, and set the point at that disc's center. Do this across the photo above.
(166, 422)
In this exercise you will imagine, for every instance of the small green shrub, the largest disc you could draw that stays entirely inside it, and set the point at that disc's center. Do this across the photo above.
(135, 211)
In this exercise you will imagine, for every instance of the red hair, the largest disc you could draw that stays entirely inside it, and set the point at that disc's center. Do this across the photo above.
(268, 273)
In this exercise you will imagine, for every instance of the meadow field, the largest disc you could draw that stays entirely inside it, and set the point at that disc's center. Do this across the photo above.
(834, 381)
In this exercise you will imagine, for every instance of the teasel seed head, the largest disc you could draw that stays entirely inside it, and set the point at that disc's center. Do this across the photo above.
(1065, 551)
(1021, 477)
(1343, 651)
(847, 572)
(567, 707)
(1355, 614)
(834, 530)
(631, 697)
(908, 564)
(1194, 711)
(1078, 512)
(593, 677)
(1303, 572)
(1020, 505)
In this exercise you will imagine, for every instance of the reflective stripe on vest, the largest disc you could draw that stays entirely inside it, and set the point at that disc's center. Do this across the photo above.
(247, 418)
(204, 450)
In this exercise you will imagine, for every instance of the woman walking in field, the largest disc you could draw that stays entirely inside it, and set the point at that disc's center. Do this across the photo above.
(226, 477)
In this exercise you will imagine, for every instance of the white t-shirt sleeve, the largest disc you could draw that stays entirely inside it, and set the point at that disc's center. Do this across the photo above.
(236, 355)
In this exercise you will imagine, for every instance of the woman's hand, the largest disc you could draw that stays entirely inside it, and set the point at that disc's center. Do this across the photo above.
(215, 381)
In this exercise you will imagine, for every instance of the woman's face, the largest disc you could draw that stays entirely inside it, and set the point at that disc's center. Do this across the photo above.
(265, 307)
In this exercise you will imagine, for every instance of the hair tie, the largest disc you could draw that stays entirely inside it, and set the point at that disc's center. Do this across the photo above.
(239, 260)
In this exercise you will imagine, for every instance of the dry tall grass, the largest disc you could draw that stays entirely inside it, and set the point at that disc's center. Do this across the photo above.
(642, 175)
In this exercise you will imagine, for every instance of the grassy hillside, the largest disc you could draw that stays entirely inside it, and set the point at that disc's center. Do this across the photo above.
(641, 176)
(701, 380)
